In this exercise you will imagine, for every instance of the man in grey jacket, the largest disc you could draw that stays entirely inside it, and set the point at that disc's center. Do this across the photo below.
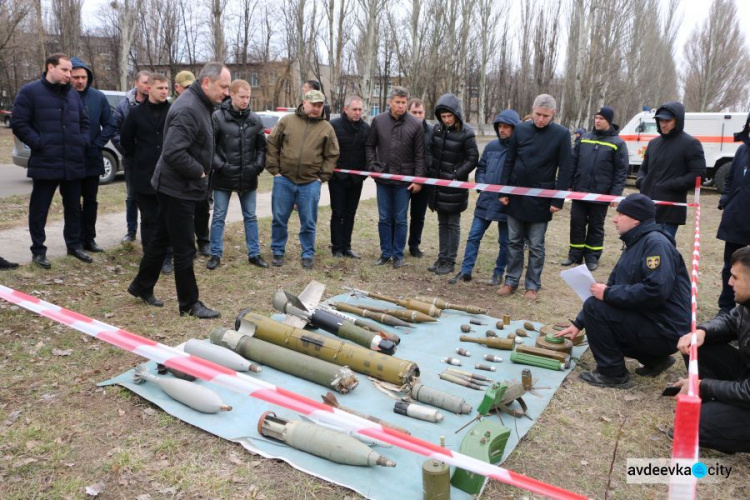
(180, 181)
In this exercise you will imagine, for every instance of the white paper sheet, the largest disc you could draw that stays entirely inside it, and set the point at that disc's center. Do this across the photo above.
(579, 278)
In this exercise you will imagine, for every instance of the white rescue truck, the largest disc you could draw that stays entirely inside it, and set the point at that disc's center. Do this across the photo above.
(715, 131)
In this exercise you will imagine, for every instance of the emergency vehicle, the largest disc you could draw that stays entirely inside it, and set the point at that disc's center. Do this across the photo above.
(715, 131)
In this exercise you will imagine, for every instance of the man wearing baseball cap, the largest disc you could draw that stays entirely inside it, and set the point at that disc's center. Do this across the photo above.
(182, 81)
(645, 306)
(302, 153)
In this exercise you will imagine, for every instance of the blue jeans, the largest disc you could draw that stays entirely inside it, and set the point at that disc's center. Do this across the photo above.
(478, 227)
(283, 198)
(393, 206)
(518, 232)
(670, 229)
(221, 204)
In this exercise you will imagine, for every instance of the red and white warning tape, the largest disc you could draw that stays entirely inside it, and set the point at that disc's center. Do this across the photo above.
(244, 384)
(497, 188)
(688, 411)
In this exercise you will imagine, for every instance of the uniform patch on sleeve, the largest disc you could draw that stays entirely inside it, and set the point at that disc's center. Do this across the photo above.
(653, 261)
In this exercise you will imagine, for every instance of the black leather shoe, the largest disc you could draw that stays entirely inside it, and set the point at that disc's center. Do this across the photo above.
(167, 268)
(338, 254)
(7, 266)
(80, 255)
(398, 262)
(569, 262)
(416, 252)
(351, 254)
(91, 246)
(41, 260)
(148, 298)
(447, 267)
(128, 238)
(657, 369)
(591, 266)
(459, 277)
(435, 265)
(599, 380)
(382, 260)
(307, 263)
(258, 261)
(496, 280)
(278, 260)
(200, 311)
(204, 249)
(213, 263)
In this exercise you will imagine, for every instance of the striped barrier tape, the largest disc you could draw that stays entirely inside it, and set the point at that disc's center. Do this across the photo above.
(687, 414)
(498, 188)
(244, 384)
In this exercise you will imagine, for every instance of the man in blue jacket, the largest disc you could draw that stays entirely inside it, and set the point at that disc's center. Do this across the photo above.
(102, 128)
(49, 117)
(489, 208)
(643, 309)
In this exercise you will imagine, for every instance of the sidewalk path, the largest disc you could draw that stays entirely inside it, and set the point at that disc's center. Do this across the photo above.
(110, 228)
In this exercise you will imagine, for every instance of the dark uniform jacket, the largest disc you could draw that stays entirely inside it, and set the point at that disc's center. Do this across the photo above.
(120, 113)
(537, 158)
(600, 163)
(725, 329)
(352, 137)
(142, 138)
(651, 278)
(454, 154)
(188, 147)
(670, 165)
(240, 153)
(395, 146)
(735, 201)
(490, 170)
(51, 120)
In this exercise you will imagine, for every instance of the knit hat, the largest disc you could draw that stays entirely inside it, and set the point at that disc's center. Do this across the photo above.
(184, 78)
(607, 113)
(314, 96)
(580, 131)
(638, 206)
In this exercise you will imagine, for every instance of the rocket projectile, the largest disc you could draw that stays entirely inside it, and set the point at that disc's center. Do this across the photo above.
(190, 394)
(320, 441)
(443, 304)
(365, 312)
(219, 355)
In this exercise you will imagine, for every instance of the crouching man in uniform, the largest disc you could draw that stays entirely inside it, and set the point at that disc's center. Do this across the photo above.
(645, 306)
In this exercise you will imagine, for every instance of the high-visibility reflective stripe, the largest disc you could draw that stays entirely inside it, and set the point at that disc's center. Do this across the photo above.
(576, 246)
(594, 248)
(589, 141)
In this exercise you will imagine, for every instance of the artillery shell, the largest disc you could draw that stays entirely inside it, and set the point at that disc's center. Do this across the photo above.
(493, 358)
(529, 326)
(451, 361)
(500, 325)
(480, 366)
(441, 399)
(490, 334)
(476, 322)
(219, 355)
(465, 328)
(463, 352)
(417, 411)
(190, 394)
(506, 319)
(521, 332)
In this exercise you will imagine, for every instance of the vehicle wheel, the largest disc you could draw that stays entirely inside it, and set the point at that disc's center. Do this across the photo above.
(720, 178)
(6, 120)
(110, 168)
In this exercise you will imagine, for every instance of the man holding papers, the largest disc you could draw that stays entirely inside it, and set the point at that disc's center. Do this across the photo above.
(645, 306)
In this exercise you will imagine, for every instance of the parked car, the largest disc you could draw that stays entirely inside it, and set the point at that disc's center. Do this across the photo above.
(269, 118)
(112, 158)
(6, 116)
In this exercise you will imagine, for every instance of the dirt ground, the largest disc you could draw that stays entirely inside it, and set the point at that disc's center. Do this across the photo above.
(60, 434)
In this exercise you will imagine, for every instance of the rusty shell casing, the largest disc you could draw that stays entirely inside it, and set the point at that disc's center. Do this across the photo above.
(539, 351)
(320, 441)
(442, 304)
(505, 344)
(435, 397)
(527, 381)
(506, 319)
(415, 305)
(387, 368)
(339, 378)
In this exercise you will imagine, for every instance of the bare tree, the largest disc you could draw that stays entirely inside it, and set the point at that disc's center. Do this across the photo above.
(216, 24)
(66, 22)
(336, 41)
(489, 18)
(369, 25)
(717, 62)
(127, 12)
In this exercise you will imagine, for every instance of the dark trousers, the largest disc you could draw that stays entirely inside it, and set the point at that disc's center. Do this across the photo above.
(89, 207)
(726, 299)
(202, 218)
(149, 207)
(345, 194)
(174, 227)
(615, 333)
(131, 205)
(42, 192)
(587, 230)
(417, 213)
(723, 427)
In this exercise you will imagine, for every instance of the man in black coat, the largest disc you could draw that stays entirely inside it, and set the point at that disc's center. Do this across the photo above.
(724, 368)
(670, 165)
(600, 165)
(239, 158)
(141, 139)
(538, 157)
(346, 189)
(181, 180)
(734, 228)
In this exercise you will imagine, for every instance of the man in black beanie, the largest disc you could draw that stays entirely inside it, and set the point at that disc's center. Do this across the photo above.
(645, 306)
